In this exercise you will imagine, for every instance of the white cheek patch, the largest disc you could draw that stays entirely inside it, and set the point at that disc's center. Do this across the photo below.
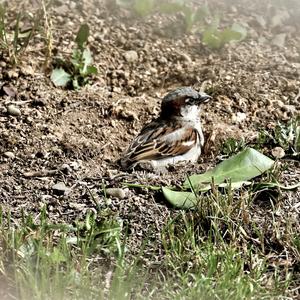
(190, 112)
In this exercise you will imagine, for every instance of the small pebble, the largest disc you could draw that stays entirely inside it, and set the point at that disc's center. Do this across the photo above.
(12, 74)
(239, 117)
(117, 192)
(13, 110)
(75, 165)
(9, 154)
(60, 189)
(131, 56)
(66, 168)
(278, 152)
(186, 57)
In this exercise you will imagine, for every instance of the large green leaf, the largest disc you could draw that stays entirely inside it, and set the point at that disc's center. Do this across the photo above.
(183, 200)
(187, 200)
(60, 77)
(242, 167)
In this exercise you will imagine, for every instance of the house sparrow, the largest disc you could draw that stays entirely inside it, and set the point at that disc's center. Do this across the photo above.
(175, 136)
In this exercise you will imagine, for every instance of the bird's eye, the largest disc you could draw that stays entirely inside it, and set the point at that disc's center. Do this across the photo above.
(190, 101)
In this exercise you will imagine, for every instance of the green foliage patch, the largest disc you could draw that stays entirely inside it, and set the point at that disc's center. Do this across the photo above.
(195, 19)
(76, 71)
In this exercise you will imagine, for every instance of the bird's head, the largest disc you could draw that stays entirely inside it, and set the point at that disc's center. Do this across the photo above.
(183, 103)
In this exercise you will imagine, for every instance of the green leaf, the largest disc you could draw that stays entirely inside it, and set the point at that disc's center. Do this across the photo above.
(211, 38)
(216, 39)
(60, 77)
(183, 200)
(87, 60)
(228, 35)
(91, 70)
(242, 167)
(82, 35)
(87, 56)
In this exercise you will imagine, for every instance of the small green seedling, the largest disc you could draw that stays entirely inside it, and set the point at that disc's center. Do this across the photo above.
(195, 19)
(191, 15)
(287, 136)
(216, 38)
(232, 146)
(76, 71)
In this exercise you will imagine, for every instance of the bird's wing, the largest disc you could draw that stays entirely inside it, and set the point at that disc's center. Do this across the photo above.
(154, 142)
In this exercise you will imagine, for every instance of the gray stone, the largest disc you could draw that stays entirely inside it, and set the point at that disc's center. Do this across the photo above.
(131, 56)
(13, 110)
(60, 189)
(278, 152)
(9, 154)
(117, 192)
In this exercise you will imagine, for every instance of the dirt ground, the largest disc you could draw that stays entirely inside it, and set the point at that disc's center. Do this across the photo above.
(76, 137)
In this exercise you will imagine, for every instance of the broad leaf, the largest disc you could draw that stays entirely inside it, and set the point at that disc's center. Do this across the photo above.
(60, 77)
(242, 167)
(82, 35)
(87, 60)
(183, 200)
(216, 39)
(233, 173)
(187, 200)
(211, 38)
(91, 70)
(87, 56)
(228, 35)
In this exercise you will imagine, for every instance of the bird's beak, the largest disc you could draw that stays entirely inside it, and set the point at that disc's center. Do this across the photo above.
(203, 97)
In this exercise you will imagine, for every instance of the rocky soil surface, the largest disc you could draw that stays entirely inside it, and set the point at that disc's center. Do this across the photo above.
(60, 147)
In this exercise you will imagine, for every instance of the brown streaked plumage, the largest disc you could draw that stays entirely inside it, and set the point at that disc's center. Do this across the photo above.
(175, 136)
